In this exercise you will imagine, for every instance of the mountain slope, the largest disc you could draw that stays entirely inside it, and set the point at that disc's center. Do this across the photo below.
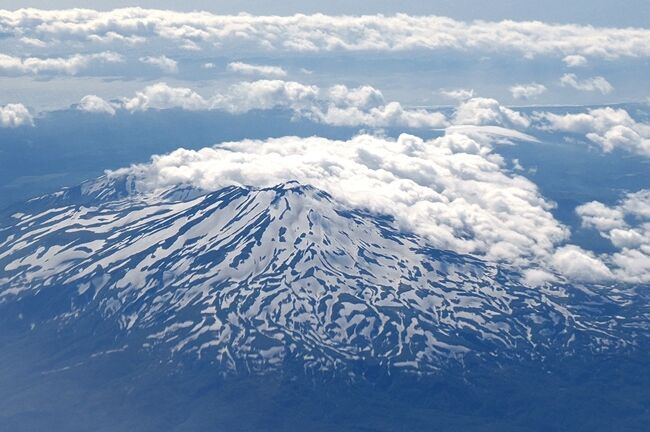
(255, 280)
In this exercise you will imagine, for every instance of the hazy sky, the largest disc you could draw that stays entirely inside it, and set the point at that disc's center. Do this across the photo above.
(595, 12)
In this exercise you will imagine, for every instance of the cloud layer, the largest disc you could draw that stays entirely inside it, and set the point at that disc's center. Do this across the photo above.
(365, 106)
(310, 33)
(337, 105)
(453, 189)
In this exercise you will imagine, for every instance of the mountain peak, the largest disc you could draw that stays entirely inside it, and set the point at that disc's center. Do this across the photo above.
(250, 278)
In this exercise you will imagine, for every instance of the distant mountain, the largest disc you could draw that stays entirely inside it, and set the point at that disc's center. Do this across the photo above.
(282, 278)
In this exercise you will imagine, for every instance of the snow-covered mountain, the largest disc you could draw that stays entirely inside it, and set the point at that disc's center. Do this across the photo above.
(252, 280)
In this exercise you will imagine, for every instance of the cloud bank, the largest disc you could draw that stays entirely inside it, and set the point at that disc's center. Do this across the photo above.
(365, 106)
(453, 189)
(337, 105)
(316, 33)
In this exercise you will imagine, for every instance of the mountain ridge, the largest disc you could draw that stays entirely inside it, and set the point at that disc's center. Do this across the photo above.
(249, 279)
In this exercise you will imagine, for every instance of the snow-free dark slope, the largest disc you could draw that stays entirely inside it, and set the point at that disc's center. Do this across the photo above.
(246, 282)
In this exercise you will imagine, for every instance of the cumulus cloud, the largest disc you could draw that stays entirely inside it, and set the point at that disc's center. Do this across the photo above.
(337, 105)
(14, 115)
(162, 62)
(597, 83)
(266, 94)
(457, 94)
(485, 111)
(162, 96)
(203, 30)
(536, 277)
(610, 128)
(527, 91)
(55, 65)
(95, 104)
(452, 189)
(250, 69)
(574, 60)
(627, 226)
(365, 105)
(390, 115)
(579, 264)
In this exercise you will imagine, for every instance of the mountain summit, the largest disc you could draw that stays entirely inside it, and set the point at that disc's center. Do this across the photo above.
(253, 280)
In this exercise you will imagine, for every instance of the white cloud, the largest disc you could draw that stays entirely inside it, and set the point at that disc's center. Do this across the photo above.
(453, 189)
(14, 115)
(266, 94)
(55, 65)
(162, 62)
(527, 91)
(579, 264)
(365, 105)
(485, 111)
(162, 96)
(597, 83)
(203, 30)
(536, 277)
(32, 42)
(574, 60)
(95, 104)
(597, 215)
(208, 65)
(457, 94)
(250, 69)
(338, 105)
(363, 97)
(627, 226)
(608, 127)
(113, 37)
(390, 115)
